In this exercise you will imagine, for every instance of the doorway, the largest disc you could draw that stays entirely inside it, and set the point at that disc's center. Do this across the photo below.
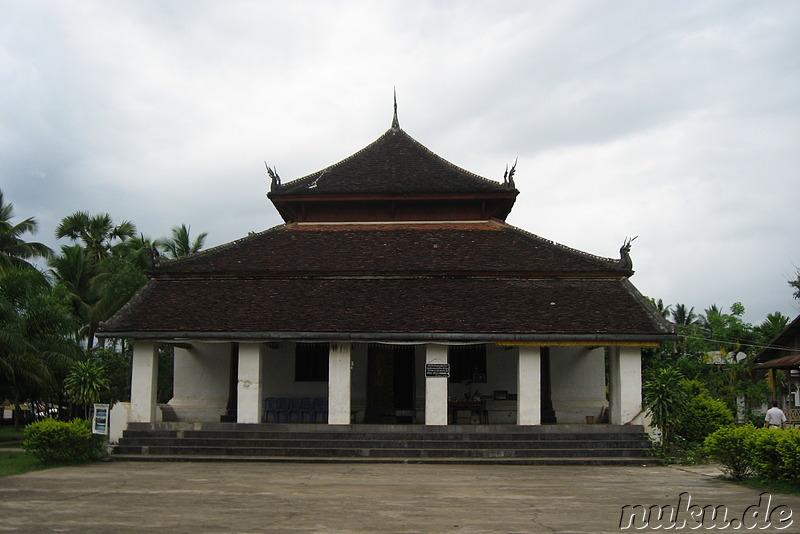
(390, 384)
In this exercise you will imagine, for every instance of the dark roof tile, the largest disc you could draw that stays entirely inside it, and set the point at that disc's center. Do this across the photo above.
(415, 305)
(490, 247)
(393, 164)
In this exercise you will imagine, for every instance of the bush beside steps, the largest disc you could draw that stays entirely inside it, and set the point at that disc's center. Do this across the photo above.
(62, 442)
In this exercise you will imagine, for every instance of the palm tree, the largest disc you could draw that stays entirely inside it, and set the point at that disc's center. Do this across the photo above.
(683, 317)
(122, 276)
(35, 334)
(74, 270)
(96, 232)
(709, 317)
(14, 250)
(180, 244)
(772, 326)
(664, 310)
(85, 383)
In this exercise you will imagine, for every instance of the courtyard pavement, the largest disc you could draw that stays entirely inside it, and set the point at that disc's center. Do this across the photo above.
(217, 497)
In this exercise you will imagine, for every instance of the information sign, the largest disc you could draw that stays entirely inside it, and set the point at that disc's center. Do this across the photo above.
(437, 370)
(100, 419)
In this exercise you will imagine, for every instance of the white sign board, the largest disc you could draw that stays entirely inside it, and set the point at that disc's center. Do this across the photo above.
(100, 419)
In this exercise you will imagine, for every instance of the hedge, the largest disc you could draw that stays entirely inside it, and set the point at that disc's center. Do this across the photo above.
(768, 453)
(732, 447)
(53, 441)
(702, 416)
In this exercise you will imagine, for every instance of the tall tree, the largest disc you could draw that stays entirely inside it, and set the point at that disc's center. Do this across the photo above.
(664, 310)
(796, 285)
(772, 326)
(180, 244)
(96, 232)
(86, 383)
(708, 318)
(728, 331)
(87, 269)
(36, 341)
(14, 250)
(76, 271)
(683, 316)
(122, 276)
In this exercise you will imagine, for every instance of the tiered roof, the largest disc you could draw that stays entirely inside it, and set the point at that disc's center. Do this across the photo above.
(393, 178)
(394, 164)
(406, 270)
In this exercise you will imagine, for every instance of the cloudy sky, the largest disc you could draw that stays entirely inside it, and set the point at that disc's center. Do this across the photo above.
(675, 121)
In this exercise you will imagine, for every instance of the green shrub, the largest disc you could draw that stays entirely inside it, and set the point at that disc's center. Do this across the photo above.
(702, 416)
(766, 458)
(54, 441)
(664, 395)
(732, 447)
(695, 388)
(789, 452)
(776, 454)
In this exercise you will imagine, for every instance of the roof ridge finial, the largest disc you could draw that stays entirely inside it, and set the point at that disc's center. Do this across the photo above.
(395, 122)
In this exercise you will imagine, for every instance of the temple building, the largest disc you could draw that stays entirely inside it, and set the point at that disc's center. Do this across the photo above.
(394, 293)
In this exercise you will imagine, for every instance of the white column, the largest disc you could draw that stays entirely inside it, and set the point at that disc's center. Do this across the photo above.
(435, 387)
(144, 382)
(248, 390)
(529, 386)
(625, 376)
(339, 384)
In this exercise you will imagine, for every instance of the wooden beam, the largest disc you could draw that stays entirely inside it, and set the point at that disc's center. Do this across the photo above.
(593, 343)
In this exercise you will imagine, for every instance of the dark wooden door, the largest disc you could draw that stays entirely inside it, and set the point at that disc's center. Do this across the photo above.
(390, 384)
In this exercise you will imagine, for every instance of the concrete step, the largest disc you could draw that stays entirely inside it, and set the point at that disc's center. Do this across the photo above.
(609, 460)
(401, 443)
(351, 443)
(376, 436)
(450, 432)
(188, 450)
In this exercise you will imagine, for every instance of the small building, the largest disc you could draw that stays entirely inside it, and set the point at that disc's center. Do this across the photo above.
(783, 353)
(395, 292)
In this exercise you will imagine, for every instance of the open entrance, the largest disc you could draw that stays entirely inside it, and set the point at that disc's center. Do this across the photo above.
(390, 384)
(548, 413)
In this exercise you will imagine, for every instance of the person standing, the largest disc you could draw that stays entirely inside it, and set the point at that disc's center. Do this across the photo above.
(775, 416)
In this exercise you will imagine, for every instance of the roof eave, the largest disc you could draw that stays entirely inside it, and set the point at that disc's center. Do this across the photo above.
(411, 337)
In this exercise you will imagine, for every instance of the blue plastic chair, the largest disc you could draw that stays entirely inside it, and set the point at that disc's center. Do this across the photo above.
(306, 410)
(270, 410)
(295, 412)
(319, 407)
(282, 407)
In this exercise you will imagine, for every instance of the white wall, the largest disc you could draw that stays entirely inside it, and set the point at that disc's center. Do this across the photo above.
(625, 373)
(339, 390)
(278, 375)
(200, 386)
(201, 380)
(578, 383)
(248, 386)
(436, 387)
(358, 383)
(144, 382)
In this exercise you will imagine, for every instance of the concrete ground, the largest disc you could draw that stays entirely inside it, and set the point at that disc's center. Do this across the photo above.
(183, 497)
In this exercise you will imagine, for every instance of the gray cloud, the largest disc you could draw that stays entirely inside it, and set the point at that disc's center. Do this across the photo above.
(677, 122)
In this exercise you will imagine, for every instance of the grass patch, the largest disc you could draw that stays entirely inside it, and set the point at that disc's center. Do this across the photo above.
(9, 435)
(772, 486)
(10, 438)
(17, 463)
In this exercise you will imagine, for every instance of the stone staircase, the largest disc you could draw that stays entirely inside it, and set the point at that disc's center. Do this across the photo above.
(490, 444)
